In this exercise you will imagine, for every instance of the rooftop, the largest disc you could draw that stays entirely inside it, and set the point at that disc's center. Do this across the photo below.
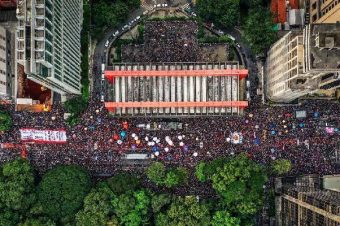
(325, 46)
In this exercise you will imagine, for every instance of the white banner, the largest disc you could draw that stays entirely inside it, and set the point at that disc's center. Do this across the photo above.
(43, 136)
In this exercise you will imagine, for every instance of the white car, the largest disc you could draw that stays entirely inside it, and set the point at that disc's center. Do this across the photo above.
(116, 33)
(231, 37)
(238, 45)
(138, 17)
(107, 43)
(145, 12)
(159, 5)
(102, 98)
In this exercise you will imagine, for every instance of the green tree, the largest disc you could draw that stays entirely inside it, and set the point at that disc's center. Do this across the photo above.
(204, 171)
(97, 207)
(259, 30)
(281, 166)
(132, 208)
(111, 14)
(17, 187)
(240, 182)
(176, 177)
(156, 173)
(200, 172)
(223, 12)
(9, 217)
(224, 218)
(76, 105)
(62, 191)
(5, 121)
(184, 211)
(159, 201)
(38, 222)
(123, 182)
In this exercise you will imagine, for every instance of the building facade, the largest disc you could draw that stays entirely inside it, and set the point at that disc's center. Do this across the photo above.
(48, 45)
(324, 11)
(305, 201)
(6, 63)
(303, 62)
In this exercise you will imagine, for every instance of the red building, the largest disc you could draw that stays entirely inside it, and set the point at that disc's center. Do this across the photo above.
(279, 9)
(8, 4)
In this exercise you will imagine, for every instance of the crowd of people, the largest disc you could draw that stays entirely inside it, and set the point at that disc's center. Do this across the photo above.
(165, 41)
(100, 141)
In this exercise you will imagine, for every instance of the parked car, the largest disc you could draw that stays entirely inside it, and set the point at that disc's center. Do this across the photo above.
(220, 32)
(231, 37)
(107, 43)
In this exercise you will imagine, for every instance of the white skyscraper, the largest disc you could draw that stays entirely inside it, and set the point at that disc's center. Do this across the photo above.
(48, 47)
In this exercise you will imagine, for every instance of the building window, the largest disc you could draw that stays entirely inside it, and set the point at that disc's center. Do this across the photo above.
(314, 5)
(314, 17)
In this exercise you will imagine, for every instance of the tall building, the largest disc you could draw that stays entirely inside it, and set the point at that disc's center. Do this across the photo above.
(306, 201)
(303, 62)
(48, 49)
(324, 11)
(6, 63)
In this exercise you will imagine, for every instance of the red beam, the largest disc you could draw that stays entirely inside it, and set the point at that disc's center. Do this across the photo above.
(110, 75)
(149, 104)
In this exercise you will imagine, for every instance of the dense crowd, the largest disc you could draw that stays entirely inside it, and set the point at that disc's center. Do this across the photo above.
(165, 41)
(268, 133)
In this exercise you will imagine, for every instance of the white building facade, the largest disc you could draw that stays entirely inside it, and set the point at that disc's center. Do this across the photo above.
(48, 43)
(301, 62)
(6, 63)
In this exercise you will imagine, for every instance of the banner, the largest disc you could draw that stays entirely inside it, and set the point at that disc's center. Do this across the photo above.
(300, 114)
(43, 136)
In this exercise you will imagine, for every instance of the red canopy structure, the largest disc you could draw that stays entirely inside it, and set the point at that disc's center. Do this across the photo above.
(110, 75)
(111, 106)
(176, 88)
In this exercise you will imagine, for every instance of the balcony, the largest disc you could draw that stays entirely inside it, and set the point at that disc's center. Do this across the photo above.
(39, 47)
(39, 25)
(21, 46)
(39, 56)
(40, 4)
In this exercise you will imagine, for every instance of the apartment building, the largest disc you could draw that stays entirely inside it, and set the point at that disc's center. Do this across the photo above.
(6, 63)
(324, 11)
(302, 62)
(48, 48)
(307, 201)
